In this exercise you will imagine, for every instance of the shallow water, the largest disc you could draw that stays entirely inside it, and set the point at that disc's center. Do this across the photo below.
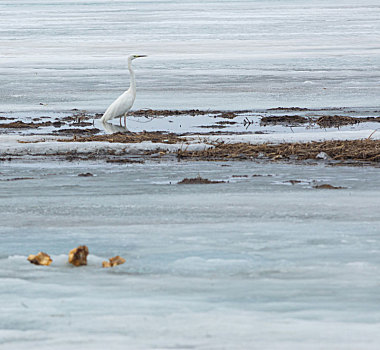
(205, 122)
(252, 261)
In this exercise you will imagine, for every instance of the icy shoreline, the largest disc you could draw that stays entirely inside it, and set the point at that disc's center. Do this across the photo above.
(18, 145)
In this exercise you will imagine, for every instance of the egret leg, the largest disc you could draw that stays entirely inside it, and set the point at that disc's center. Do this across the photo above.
(125, 119)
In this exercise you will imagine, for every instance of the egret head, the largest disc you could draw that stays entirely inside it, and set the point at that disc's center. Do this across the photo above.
(132, 57)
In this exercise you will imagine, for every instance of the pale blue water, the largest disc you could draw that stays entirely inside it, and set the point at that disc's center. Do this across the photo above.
(252, 261)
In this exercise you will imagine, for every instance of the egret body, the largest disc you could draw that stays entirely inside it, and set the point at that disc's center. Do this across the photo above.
(124, 102)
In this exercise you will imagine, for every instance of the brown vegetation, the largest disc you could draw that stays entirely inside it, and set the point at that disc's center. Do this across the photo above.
(198, 180)
(19, 178)
(129, 138)
(125, 161)
(326, 121)
(76, 131)
(166, 112)
(192, 112)
(328, 187)
(335, 121)
(284, 119)
(298, 109)
(356, 150)
(23, 125)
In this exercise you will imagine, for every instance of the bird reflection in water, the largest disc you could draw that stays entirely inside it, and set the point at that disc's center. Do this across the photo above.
(113, 129)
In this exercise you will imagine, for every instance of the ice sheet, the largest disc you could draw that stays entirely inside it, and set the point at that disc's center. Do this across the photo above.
(255, 263)
(202, 54)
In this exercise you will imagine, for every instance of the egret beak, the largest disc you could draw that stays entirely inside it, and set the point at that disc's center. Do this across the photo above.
(138, 56)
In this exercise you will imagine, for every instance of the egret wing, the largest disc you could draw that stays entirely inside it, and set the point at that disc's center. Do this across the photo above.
(119, 107)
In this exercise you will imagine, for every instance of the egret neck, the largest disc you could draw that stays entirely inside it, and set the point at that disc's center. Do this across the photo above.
(132, 85)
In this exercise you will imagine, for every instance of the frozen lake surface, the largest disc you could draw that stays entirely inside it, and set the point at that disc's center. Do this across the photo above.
(255, 263)
(202, 54)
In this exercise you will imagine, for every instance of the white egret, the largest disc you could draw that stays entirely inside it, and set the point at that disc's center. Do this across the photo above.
(124, 102)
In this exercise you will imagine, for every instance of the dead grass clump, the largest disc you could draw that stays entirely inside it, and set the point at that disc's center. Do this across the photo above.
(198, 180)
(154, 137)
(225, 122)
(125, 161)
(227, 115)
(298, 109)
(293, 182)
(291, 120)
(87, 131)
(328, 187)
(214, 126)
(356, 150)
(22, 125)
(334, 121)
(326, 121)
(167, 112)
